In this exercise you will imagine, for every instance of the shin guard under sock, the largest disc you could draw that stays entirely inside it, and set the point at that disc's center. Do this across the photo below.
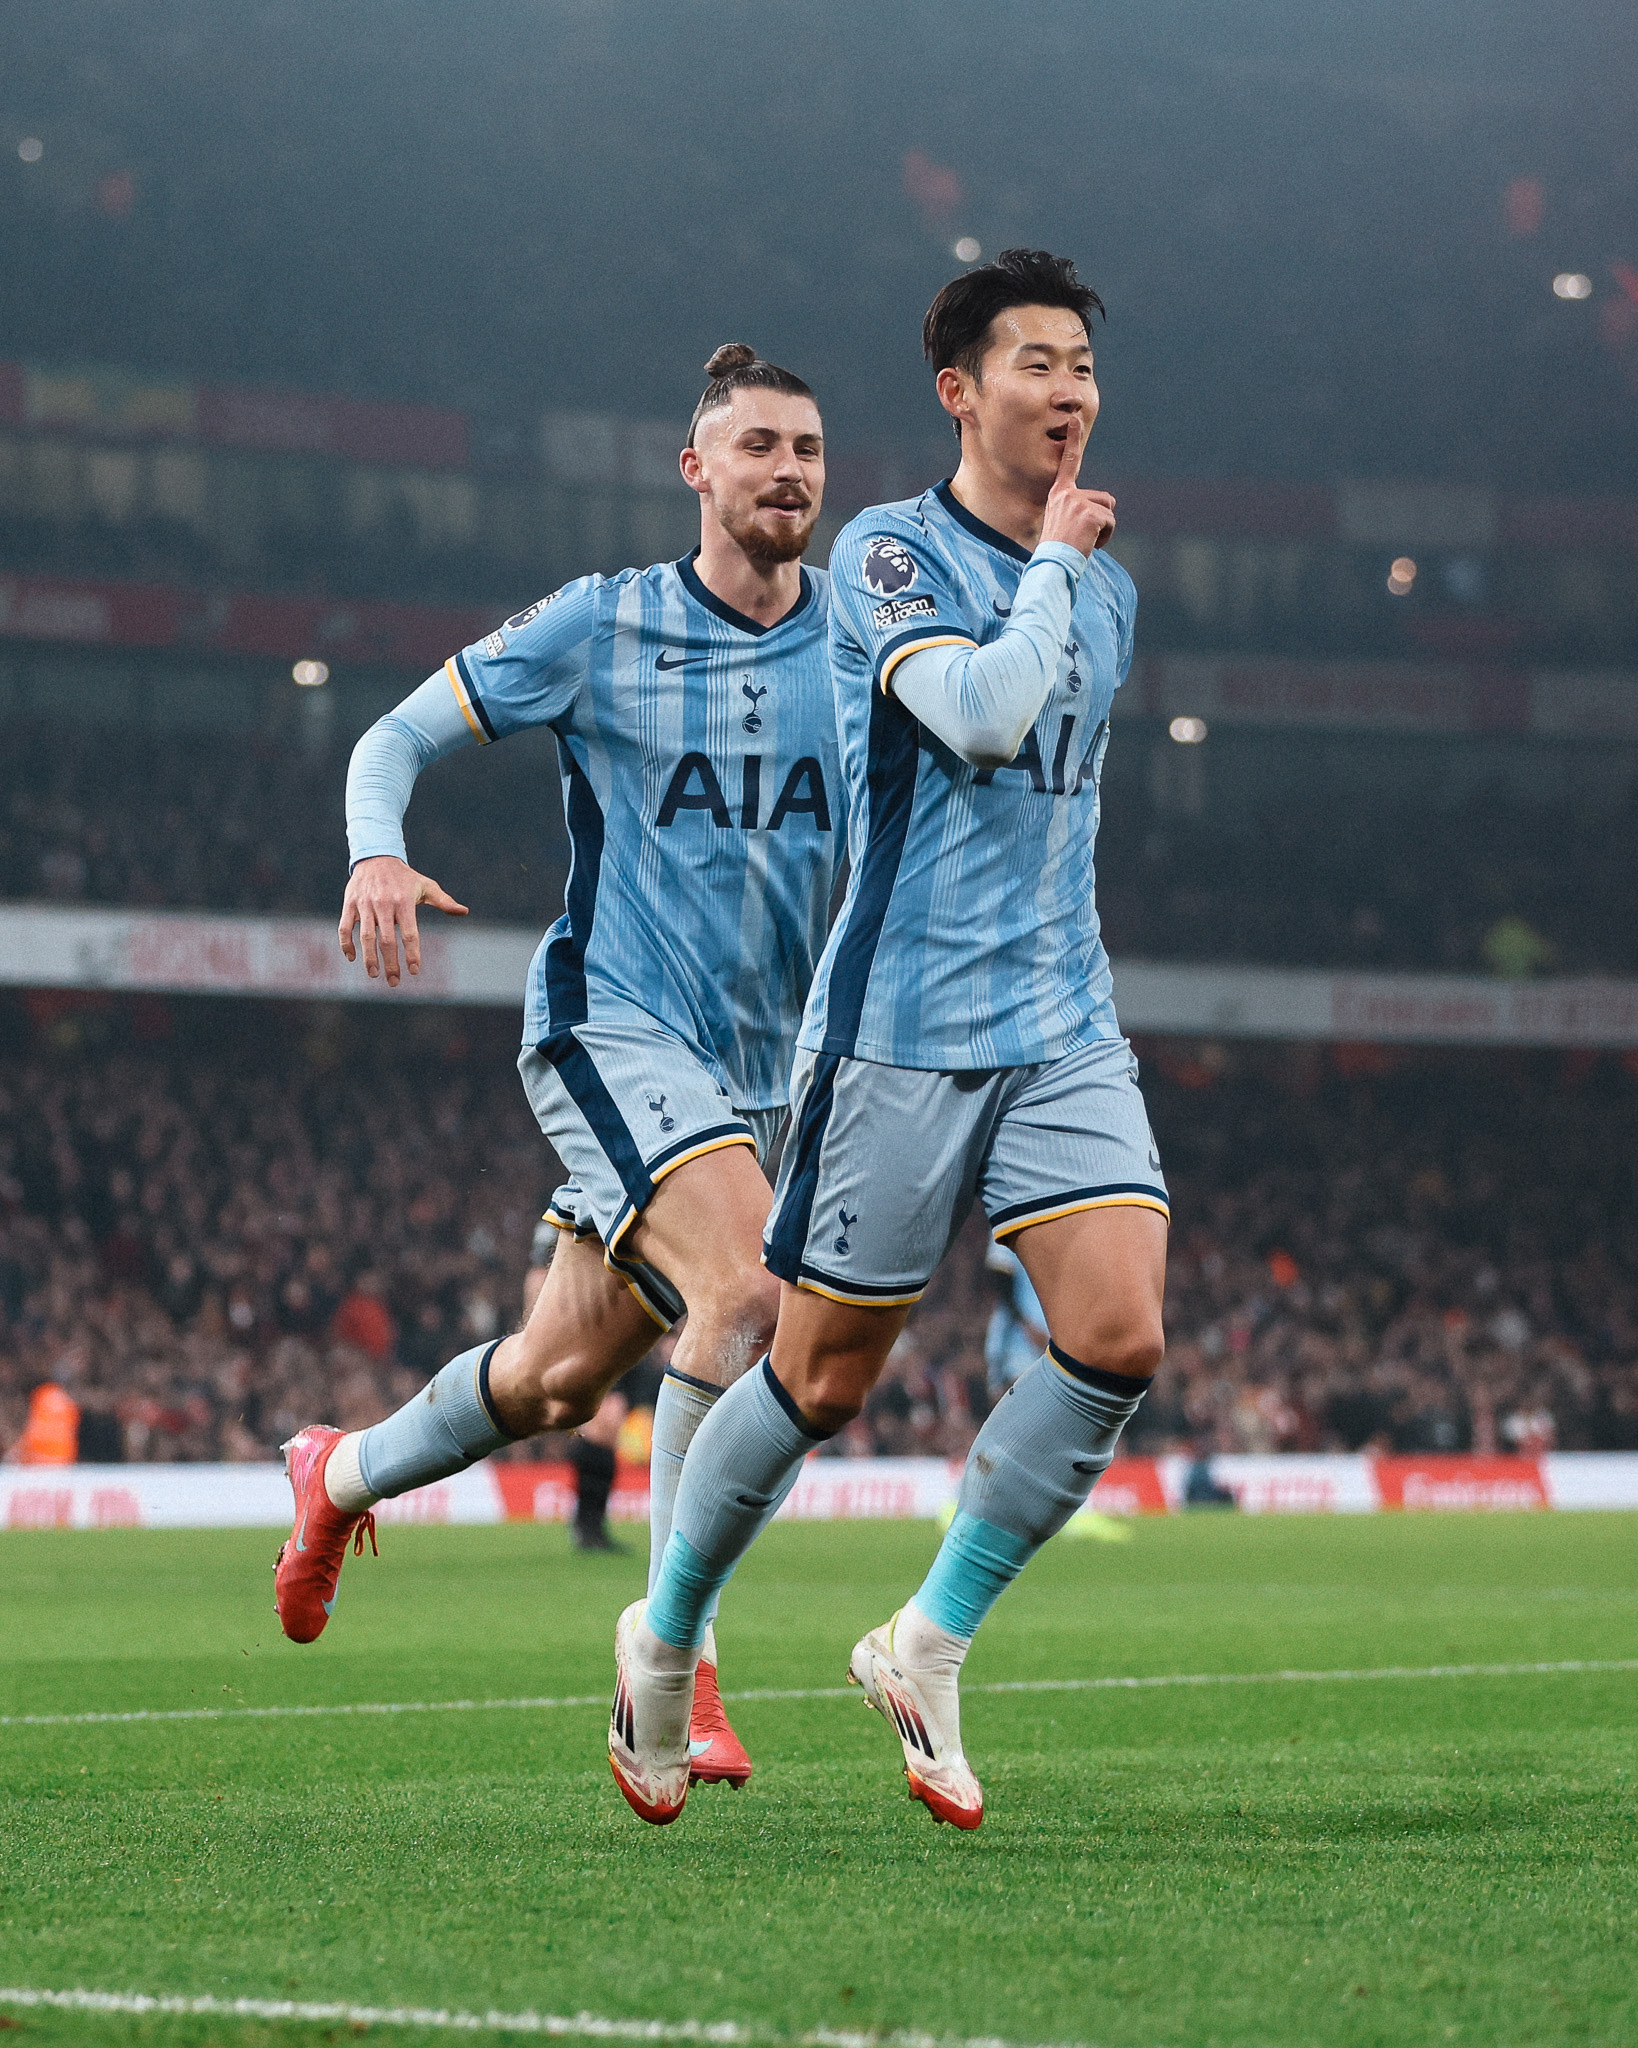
(744, 1459)
(449, 1425)
(681, 1406)
(1031, 1467)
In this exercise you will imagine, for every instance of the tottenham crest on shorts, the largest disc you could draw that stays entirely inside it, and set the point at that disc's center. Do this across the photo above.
(889, 566)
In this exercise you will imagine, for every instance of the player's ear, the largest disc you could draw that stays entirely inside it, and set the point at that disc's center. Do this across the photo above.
(693, 470)
(955, 393)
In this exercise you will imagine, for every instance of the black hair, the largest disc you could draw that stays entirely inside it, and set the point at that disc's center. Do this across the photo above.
(958, 321)
(736, 366)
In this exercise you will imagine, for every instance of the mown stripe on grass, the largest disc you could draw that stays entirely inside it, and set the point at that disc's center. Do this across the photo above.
(582, 2025)
(1562, 1666)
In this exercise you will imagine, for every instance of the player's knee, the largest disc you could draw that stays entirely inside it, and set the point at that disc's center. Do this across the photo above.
(738, 1308)
(833, 1392)
(1132, 1348)
(568, 1408)
(1135, 1351)
(831, 1416)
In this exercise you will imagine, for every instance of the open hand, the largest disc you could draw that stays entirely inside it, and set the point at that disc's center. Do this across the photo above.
(1086, 519)
(381, 899)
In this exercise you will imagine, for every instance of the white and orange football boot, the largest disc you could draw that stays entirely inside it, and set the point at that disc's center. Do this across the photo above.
(308, 1566)
(716, 1756)
(648, 1725)
(925, 1709)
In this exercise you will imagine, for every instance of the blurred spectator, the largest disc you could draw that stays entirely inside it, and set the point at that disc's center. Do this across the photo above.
(364, 1320)
(1514, 949)
(51, 1435)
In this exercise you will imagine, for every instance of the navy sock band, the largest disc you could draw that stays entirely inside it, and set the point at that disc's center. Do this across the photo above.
(449, 1425)
(777, 1388)
(688, 1380)
(1122, 1384)
(484, 1394)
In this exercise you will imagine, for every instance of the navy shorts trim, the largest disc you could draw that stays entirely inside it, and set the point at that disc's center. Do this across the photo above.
(1080, 1198)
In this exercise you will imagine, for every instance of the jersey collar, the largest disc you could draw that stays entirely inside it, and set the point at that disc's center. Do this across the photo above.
(976, 527)
(712, 603)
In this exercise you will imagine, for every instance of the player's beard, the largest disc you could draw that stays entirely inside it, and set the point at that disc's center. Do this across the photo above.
(765, 549)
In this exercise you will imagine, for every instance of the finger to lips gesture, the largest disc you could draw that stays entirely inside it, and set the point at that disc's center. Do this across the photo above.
(380, 903)
(1085, 519)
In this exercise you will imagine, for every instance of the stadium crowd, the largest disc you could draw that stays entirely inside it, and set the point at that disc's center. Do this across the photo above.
(215, 1226)
(1329, 877)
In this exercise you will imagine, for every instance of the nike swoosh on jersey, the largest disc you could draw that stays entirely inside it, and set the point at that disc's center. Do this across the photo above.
(1002, 611)
(682, 660)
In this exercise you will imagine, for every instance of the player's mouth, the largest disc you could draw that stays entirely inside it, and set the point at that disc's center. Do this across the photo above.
(785, 504)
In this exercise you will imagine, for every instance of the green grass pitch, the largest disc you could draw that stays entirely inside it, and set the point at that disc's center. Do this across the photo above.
(1387, 1861)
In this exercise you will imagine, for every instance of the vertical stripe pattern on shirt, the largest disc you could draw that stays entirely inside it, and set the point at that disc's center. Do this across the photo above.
(566, 949)
(891, 784)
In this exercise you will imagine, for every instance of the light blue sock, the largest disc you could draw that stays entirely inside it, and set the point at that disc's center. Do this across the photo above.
(1031, 1467)
(743, 1461)
(449, 1425)
(681, 1406)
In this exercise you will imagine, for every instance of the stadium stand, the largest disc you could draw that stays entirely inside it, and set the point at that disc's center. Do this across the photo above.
(218, 1220)
(1318, 871)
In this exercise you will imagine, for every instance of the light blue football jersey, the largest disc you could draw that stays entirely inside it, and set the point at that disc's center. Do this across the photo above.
(700, 787)
(968, 937)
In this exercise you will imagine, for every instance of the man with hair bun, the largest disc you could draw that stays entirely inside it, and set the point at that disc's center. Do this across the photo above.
(695, 723)
(960, 1039)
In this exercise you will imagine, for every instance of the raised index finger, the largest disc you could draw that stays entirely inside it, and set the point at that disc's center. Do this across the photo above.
(1069, 462)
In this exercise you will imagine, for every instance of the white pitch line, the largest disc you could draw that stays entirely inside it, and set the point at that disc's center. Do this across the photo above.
(1568, 1665)
(581, 2025)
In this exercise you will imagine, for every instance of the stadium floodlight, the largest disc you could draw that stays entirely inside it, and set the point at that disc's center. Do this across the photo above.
(310, 674)
(31, 149)
(1572, 284)
(1188, 732)
(967, 250)
(1401, 576)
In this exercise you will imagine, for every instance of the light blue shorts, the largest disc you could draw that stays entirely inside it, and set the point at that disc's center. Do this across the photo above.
(623, 1104)
(883, 1163)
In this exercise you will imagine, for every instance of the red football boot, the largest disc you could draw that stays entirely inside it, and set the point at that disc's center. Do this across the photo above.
(308, 1567)
(716, 1756)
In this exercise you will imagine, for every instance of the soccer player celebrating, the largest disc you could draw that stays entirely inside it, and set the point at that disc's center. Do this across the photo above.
(960, 1038)
(696, 731)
